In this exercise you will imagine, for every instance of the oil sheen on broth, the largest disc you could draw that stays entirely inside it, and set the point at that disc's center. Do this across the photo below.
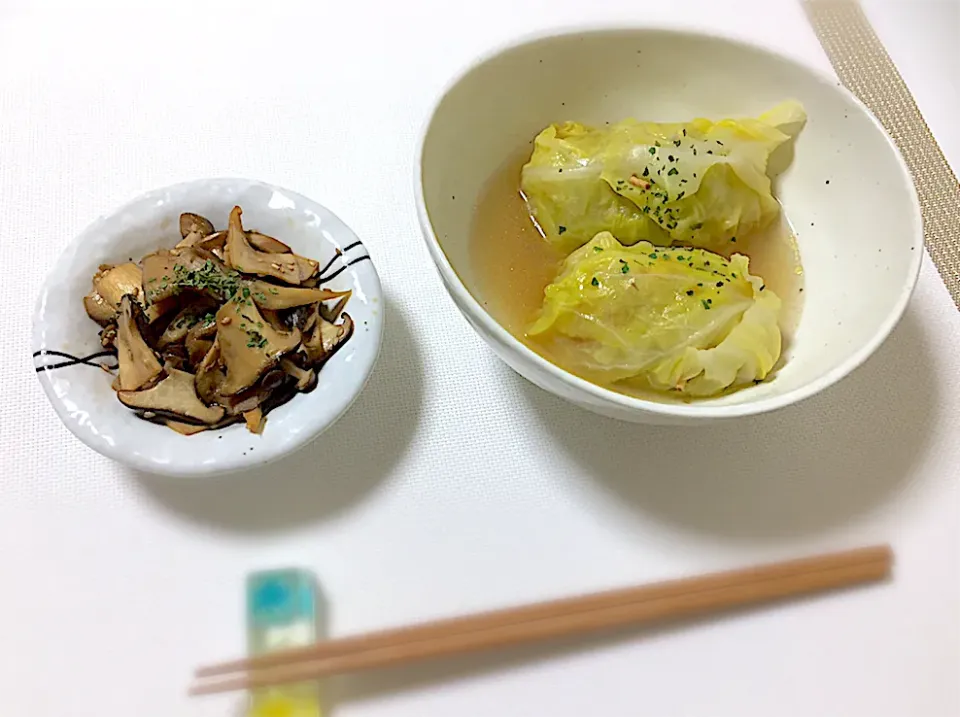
(513, 264)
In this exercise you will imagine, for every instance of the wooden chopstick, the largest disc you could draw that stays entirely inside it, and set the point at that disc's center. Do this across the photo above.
(558, 618)
(537, 611)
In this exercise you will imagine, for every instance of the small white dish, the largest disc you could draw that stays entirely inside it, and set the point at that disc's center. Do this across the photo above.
(847, 192)
(67, 349)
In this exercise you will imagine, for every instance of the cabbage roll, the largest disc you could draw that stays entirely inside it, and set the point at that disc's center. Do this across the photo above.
(660, 318)
(699, 183)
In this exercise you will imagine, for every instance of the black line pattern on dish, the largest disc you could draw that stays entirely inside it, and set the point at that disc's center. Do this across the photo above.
(336, 255)
(338, 272)
(73, 360)
(340, 254)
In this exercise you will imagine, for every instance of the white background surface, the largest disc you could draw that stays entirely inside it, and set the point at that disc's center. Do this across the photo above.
(452, 485)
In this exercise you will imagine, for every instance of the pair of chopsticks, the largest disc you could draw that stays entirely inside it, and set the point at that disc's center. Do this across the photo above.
(542, 621)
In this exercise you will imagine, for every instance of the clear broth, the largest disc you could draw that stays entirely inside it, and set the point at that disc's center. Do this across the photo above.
(513, 263)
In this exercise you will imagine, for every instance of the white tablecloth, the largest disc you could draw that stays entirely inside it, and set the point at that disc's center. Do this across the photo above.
(465, 488)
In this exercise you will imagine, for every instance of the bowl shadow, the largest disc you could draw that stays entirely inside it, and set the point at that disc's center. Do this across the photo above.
(800, 471)
(316, 482)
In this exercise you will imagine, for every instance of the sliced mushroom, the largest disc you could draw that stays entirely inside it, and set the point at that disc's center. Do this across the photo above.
(272, 380)
(249, 345)
(243, 403)
(139, 366)
(159, 275)
(275, 320)
(306, 378)
(308, 267)
(108, 336)
(304, 317)
(272, 296)
(191, 240)
(255, 420)
(110, 284)
(243, 257)
(158, 309)
(175, 395)
(255, 396)
(279, 396)
(326, 339)
(262, 242)
(202, 312)
(213, 243)
(199, 341)
(175, 356)
(167, 273)
(334, 334)
(193, 229)
(185, 429)
(195, 224)
(331, 314)
(197, 349)
(99, 309)
(210, 376)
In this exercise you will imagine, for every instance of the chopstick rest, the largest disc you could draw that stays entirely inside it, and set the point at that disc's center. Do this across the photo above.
(282, 614)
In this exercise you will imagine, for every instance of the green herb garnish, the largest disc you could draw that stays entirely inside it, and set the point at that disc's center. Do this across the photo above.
(224, 283)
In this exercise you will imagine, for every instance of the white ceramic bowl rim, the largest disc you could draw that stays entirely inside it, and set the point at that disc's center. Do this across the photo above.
(465, 298)
(296, 423)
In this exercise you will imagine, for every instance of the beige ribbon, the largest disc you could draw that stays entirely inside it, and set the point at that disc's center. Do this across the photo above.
(863, 65)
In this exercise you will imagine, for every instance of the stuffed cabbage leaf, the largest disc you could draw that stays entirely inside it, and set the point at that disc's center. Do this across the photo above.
(698, 183)
(667, 319)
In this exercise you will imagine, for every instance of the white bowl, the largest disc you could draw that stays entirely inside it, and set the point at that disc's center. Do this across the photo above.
(847, 192)
(81, 392)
